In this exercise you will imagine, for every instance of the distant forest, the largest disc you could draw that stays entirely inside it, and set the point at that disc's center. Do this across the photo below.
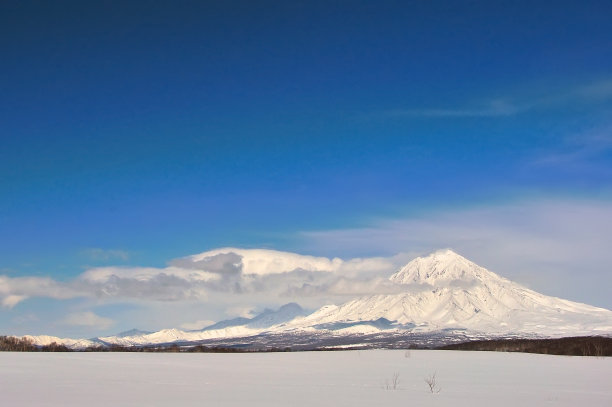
(573, 346)
(13, 344)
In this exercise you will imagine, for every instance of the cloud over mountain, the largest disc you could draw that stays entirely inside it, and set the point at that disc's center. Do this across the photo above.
(193, 278)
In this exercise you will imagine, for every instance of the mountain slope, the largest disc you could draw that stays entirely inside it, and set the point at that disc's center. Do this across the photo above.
(265, 319)
(236, 327)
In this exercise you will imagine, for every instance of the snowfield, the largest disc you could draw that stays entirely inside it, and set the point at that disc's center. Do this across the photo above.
(342, 378)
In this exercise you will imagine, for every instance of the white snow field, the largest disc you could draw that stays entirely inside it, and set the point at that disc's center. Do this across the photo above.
(341, 378)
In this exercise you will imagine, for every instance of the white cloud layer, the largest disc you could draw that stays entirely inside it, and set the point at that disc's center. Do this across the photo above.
(196, 325)
(87, 319)
(241, 311)
(230, 271)
(16, 289)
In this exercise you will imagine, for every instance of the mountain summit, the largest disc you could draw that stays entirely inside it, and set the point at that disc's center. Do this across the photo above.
(442, 266)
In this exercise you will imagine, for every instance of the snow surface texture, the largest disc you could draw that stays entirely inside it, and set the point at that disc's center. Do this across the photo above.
(441, 291)
(351, 378)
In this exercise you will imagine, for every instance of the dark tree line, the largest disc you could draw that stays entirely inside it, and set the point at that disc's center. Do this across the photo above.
(573, 346)
(13, 344)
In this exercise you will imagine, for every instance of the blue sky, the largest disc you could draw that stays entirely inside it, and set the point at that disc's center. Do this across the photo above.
(134, 134)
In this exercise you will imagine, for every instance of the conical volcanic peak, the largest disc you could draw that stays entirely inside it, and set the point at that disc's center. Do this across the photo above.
(440, 267)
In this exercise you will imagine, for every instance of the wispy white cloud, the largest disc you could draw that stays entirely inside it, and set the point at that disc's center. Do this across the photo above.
(347, 287)
(241, 311)
(13, 290)
(87, 319)
(98, 254)
(11, 300)
(597, 91)
(196, 325)
(578, 149)
(493, 108)
(26, 318)
(594, 92)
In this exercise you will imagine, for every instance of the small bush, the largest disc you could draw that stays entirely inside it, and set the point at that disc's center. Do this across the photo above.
(394, 383)
(432, 383)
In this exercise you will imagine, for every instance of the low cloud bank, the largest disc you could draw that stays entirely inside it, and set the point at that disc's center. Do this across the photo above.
(228, 270)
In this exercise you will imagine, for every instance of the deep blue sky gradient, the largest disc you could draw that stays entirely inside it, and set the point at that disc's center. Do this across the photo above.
(169, 128)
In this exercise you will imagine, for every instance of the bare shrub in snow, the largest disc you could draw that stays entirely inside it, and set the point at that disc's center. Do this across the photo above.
(394, 383)
(432, 383)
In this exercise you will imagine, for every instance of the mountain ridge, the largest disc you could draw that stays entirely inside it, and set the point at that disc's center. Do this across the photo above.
(443, 292)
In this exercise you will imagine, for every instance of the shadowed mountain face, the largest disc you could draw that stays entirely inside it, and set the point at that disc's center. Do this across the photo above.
(133, 332)
(440, 295)
(266, 319)
(227, 323)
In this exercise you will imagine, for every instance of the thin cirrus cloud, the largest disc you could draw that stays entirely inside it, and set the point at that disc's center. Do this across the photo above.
(98, 254)
(579, 151)
(593, 92)
(87, 319)
(601, 90)
(491, 109)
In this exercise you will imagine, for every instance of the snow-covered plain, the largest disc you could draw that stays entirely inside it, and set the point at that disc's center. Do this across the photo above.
(345, 378)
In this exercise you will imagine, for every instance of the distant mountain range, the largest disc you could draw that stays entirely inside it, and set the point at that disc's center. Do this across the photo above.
(444, 297)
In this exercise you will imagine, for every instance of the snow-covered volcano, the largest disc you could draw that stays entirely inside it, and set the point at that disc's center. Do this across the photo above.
(445, 290)
(436, 293)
